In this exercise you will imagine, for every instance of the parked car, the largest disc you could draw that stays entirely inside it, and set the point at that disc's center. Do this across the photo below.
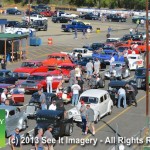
(6, 76)
(12, 23)
(99, 101)
(67, 15)
(119, 69)
(97, 45)
(135, 61)
(39, 25)
(60, 19)
(14, 119)
(89, 16)
(113, 88)
(28, 67)
(13, 11)
(80, 26)
(47, 13)
(37, 81)
(35, 104)
(116, 18)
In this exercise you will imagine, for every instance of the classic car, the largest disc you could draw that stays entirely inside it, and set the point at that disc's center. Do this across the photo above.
(99, 101)
(63, 71)
(135, 61)
(116, 18)
(97, 45)
(140, 78)
(14, 119)
(37, 81)
(28, 67)
(119, 69)
(67, 15)
(8, 77)
(128, 49)
(39, 25)
(62, 126)
(47, 13)
(115, 41)
(60, 19)
(12, 23)
(13, 11)
(113, 88)
(109, 48)
(35, 104)
(90, 16)
(55, 59)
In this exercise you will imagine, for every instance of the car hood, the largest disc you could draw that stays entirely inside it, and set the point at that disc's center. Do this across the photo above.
(51, 62)
(24, 70)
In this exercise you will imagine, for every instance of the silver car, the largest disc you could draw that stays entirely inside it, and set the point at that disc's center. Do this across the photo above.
(119, 70)
(14, 119)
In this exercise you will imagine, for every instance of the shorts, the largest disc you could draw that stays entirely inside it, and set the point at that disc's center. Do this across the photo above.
(90, 124)
(89, 73)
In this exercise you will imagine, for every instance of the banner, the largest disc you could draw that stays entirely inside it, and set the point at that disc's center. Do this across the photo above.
(2, 128)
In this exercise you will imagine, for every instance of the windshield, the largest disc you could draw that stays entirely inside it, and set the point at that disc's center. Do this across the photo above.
(30, 64)
(132, 57)
(77, 51)
(35, 77)
(88, 100)
(140, 72)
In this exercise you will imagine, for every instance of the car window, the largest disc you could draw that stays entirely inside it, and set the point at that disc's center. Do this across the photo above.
(87, 100)
(101, 99)
(2, 74)
(12, 112)
(8, 74)
(105, 97)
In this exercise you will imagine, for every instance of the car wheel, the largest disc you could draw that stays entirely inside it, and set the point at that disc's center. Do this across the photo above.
(89, 30)
(24, 125)
(69, 129)
(110, 20)
(97, 119)
(110, 111)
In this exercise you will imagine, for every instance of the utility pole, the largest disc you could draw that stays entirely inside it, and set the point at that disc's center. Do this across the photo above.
(29, 7)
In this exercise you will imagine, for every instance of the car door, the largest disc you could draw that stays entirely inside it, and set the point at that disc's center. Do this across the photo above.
(101, 106)
(106, 101)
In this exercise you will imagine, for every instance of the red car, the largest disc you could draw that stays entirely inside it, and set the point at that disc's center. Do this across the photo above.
(47, 13)
(55, 59)
(63, 70)
(127, 48)
(37, 81)
(15, 94)
(29, 67)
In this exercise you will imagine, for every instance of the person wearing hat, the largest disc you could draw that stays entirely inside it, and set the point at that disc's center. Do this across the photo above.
(83, 116)
(49, 137)
(53, 105)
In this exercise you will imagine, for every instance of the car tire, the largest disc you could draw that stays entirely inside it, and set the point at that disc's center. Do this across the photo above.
(24, 125)
(97, 119)
(69, 129)
(89, 30)
(110, 111)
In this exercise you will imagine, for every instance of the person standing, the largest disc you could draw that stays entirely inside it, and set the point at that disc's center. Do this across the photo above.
(80, 83)
(83, 116)
(137, 23)
(49, 80)
(112, 59)
(75, 88)
(84, 34)
(42, 100)
(122, 94)
(89, 69)
(16, 140)
(49, 137)
(3, 63)
(53, 105)
(3, 96)
(78, 71)
(72, 77)
(131, 31)
(38, 142)
(109, 30)
(97, 66)
(89, 119)
(75, 33)
(79, 56)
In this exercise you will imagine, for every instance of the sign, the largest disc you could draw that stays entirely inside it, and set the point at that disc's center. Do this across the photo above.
(2, 128)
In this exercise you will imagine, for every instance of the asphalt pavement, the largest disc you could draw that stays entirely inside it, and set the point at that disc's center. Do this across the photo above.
(126, 121)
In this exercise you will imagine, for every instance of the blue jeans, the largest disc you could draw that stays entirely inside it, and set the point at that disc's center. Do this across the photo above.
(49, 87)
(75, 99)
(83, 123)
(124, 100)
(40, 148)
(89, 72)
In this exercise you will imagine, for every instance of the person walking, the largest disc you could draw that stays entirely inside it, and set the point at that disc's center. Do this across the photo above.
(122, 94)
(89, 69)
(49, 80)
(83, 116)
(97, 66)
(16, 140)
(80, 83)
(75, 88)
(112, 59)
(3, 63)
(38, 143)
(49, 137)
(75, 33)
(131, 31)
(42, 100)
(72, 77)
(84, 34)
(89, 119)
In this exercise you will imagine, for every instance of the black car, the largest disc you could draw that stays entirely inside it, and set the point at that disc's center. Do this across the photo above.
(96, 46)
(114, 86)
(12, 23)
(13, 11)
(116, 18)
(8, 77)
(40, 25)
(24, 24)
(60, 19)
(90, 16)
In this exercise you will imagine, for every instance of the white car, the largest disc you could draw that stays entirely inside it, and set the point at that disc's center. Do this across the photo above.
(99, 101)
(135, 61)
(70, 15)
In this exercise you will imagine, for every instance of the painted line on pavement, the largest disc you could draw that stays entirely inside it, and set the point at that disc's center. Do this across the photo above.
(108, 122)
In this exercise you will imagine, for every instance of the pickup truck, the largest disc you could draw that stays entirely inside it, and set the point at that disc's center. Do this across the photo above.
(34, 17)
(79, 25)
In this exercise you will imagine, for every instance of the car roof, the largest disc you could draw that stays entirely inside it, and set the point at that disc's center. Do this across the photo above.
(6, 107)
(117, 83)
(57, 54)
(93, 93)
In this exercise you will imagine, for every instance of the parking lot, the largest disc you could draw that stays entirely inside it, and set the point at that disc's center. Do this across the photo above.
(128, 121)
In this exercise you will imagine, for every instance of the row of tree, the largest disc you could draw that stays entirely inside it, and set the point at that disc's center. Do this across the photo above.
(128, 4)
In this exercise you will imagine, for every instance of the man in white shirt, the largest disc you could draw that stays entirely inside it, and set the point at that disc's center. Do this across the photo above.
(53, 106)
(75, 89)
(3, 96)
(97, 66)
(78, 71)
(112, 59)
(49, 80)
(122, 94)
(89, 69)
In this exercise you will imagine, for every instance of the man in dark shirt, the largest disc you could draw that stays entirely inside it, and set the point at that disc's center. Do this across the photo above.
(80, 83)
(62, 108)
